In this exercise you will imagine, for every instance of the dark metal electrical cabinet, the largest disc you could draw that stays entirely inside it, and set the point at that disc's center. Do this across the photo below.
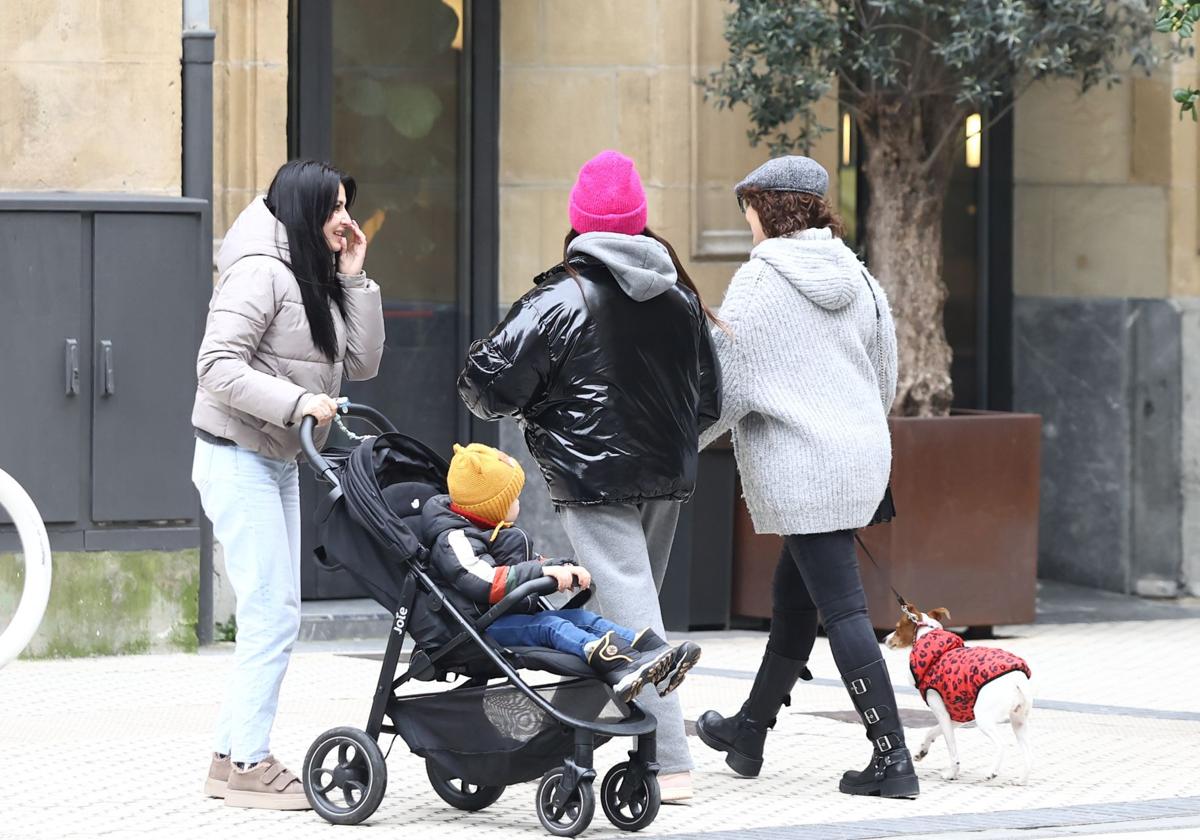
(101, 314)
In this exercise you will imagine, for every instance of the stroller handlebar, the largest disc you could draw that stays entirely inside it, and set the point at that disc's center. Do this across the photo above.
(309, 448)
(308, 425)
(537, 587)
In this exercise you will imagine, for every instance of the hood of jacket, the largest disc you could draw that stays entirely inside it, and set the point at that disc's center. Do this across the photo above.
(927, 650)
(817, 264)
(437, 518)
(641, 265)
(255, 232)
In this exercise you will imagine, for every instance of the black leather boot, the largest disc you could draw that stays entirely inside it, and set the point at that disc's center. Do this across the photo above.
(890, 773)
(743, 735)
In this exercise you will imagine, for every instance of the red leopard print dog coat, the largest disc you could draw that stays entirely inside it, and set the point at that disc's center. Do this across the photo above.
(939, 660)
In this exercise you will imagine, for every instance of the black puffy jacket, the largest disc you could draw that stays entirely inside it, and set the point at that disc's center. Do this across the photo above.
(613, 375)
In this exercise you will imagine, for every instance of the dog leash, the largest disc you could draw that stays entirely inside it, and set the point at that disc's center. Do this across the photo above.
(908, 613)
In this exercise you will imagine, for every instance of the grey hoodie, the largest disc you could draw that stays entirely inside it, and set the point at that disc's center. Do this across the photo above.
(809, 374)
(642, 266)
(822, 269)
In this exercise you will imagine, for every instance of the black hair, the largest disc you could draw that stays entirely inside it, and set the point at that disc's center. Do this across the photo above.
(301, 197)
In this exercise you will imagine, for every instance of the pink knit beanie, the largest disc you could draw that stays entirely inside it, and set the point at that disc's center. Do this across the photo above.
(608, 196)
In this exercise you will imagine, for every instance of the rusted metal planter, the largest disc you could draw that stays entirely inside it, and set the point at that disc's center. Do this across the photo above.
(966, 531)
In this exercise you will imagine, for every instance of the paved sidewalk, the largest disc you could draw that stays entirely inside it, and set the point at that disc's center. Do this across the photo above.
(117, 748)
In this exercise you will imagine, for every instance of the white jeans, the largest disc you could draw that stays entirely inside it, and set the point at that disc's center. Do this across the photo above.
(254, 505)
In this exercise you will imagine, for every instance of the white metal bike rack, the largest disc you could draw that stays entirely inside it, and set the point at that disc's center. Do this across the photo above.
(36, 547)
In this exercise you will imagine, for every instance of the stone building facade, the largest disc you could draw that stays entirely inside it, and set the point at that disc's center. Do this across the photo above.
(1105, 225)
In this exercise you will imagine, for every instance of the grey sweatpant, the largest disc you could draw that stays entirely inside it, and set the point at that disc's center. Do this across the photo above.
(626, 548)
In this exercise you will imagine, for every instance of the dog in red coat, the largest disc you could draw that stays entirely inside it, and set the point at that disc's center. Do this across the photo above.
(962, 684)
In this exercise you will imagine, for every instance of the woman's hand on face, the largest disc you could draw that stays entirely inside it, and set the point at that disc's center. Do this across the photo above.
(354, 249)
(321, 406)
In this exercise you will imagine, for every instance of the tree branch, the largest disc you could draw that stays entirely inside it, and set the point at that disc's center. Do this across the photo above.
(947, 134)
(901, 27)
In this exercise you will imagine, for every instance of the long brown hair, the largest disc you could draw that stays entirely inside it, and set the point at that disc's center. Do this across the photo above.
(680, 272)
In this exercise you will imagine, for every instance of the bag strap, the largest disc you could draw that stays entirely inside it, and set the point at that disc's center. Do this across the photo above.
(878, 338)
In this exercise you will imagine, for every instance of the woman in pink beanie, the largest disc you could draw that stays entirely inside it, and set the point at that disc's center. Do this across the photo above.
(609, 366)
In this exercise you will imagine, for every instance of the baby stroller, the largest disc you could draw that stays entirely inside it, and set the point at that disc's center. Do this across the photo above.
(491, 729)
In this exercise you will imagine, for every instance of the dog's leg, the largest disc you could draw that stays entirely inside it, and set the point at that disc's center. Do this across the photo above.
(946, 727)
(1019, 717)
(930, 737)
(988, 718)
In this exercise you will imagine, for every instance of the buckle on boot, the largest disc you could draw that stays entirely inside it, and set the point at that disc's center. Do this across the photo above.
(886, 743)
(871, 716)
(859, 686)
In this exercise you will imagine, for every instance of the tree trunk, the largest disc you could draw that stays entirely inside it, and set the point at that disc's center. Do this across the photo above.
(904, 247)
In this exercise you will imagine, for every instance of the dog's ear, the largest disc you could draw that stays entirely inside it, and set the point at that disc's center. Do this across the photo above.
(941, 615)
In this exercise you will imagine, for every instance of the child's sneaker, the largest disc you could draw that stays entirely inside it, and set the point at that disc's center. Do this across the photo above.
(683, 657)
(627, 670)
(646, 639)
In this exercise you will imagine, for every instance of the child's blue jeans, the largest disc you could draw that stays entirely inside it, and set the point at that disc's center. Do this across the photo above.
(565, 630)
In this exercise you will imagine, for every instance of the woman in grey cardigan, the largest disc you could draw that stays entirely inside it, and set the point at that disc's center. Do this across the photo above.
(291, 315)
(809, 370)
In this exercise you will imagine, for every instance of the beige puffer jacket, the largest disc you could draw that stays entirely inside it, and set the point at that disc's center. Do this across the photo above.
(257, 361)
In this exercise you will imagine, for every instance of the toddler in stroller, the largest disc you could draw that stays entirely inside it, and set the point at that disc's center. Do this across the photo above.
(491, 728)
(476, 550)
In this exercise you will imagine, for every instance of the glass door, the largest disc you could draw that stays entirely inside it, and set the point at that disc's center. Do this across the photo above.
(384, 91)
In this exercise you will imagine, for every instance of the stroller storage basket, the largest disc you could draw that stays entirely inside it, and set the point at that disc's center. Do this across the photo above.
(496, 735)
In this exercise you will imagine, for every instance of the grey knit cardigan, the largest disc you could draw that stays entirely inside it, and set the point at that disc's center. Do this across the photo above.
(809, 375)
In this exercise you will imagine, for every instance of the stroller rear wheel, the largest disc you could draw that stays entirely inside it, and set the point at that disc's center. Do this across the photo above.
(461, 794)
(345, 775)
(574, 815)
(630, 796)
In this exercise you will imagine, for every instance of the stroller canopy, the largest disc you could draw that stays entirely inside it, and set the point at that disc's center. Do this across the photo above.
(373, 529)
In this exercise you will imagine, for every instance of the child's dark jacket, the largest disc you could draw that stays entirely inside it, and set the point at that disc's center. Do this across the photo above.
(466, 558)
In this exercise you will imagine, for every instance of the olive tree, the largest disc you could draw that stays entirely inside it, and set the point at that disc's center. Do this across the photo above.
(1181, 16)
(910, 72)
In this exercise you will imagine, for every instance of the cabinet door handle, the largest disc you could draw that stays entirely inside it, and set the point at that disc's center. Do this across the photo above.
(107, 384)
(71, 367)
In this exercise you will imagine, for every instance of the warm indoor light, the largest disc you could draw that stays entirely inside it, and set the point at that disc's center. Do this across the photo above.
(974, 140)
(845, 139)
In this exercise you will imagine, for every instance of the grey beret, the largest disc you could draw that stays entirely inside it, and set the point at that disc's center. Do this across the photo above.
(791, 173)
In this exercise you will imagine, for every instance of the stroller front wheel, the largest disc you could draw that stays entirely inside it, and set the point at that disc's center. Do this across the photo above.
(460, 793)
(570, 818)
(630, 799)
(345, 775)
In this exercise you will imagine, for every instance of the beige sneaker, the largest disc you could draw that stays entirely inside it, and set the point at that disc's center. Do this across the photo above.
(218, 777)
(676, 788)
(267, 784)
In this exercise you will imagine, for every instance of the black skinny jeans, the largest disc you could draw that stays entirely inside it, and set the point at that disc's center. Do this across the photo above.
(818, 575)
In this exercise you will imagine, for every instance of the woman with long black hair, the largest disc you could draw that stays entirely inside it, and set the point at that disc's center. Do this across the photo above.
(292, 314)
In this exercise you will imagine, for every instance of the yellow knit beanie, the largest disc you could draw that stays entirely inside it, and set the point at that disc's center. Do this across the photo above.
(484, 481)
